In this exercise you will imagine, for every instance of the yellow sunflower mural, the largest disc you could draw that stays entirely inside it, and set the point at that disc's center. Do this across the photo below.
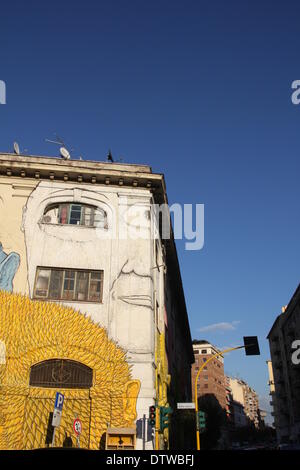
(48, 347)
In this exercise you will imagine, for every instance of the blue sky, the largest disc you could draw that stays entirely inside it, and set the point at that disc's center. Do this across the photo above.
(199, 90)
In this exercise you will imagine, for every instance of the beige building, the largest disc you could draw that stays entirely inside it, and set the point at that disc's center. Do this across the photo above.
(285, 374)
(271, 384)
(244, 396)
(84, 235)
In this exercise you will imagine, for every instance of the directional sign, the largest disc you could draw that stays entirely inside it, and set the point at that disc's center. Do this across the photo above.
(185, 406)
(77, 426)
(59, 401)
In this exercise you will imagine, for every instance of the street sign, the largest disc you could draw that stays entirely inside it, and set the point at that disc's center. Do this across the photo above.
(77, 426)
(185, 406)
(56, 417)
(57, 412)
(59, 401)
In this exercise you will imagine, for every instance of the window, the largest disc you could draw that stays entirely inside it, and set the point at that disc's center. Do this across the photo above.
(75, 214)
(64, 373)
(204, 351)
(68, 284)
(206, 377)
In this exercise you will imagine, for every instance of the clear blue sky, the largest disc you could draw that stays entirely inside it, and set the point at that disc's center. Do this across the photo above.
(200, 90)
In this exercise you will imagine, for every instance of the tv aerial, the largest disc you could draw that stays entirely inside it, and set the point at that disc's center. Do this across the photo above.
(111, 159)
(64, 152)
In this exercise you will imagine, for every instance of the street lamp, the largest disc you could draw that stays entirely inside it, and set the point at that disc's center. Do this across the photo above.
(251, 349)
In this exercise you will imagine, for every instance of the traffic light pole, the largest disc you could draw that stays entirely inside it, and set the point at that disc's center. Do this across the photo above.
(196, 390)
(157, 428)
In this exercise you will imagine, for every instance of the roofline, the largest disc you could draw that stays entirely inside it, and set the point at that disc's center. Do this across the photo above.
(286, 314)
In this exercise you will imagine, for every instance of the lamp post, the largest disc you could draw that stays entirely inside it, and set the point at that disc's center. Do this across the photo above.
(251, 348)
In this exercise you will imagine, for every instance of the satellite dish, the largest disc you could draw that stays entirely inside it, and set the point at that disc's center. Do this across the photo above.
(16, 148)
(64, 153)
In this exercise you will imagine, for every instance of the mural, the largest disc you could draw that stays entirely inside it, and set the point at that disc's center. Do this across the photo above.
(8, 267)
(34, 332)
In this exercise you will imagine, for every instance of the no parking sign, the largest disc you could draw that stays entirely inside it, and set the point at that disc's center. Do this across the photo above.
(77, 426)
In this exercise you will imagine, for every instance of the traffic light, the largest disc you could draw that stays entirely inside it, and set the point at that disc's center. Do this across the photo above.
(164, 412)
(152, 415)
(251, 346)
(201, 421)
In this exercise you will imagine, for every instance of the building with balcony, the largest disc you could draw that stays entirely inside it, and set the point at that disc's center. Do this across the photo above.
(245, 403)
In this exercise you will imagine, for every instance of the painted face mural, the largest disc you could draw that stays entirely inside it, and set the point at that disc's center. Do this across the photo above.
(50, 348)
(8, 268)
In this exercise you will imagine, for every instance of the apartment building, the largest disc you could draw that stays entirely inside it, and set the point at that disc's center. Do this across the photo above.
(285, 385)
(271, 384)
(91, 304)
(245, 403)
(211, 380)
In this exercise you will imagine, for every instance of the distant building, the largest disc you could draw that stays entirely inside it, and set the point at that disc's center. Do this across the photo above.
(272, 390)
(211, 380)
(285, 386)
(245, 403)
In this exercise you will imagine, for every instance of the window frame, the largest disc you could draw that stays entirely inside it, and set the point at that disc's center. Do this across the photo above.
(41, 374)
(62, 287)
(68, 205)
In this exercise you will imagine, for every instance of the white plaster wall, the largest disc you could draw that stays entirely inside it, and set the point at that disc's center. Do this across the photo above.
(127, 307)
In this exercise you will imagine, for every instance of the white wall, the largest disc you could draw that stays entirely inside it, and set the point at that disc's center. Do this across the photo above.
(127, 307)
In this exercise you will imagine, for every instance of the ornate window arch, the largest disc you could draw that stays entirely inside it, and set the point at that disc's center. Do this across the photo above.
(61, 373)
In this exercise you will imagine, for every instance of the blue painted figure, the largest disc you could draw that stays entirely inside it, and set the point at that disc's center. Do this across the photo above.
(8, 267)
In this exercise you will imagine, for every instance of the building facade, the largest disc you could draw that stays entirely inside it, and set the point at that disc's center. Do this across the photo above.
(81, 250)
(271, 384)
(211, 380)
(285, 383)
(245, 403)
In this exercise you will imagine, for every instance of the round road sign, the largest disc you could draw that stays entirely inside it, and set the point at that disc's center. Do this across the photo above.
(77, 426)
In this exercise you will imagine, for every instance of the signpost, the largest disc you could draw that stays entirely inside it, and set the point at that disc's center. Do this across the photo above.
(77, 427)
(57, 412)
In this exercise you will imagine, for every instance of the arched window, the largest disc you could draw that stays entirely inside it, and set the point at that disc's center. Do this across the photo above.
(71, 213)
(61, 373)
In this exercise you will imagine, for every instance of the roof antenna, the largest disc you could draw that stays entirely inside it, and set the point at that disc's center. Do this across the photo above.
(109, 156)
(64, 152)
